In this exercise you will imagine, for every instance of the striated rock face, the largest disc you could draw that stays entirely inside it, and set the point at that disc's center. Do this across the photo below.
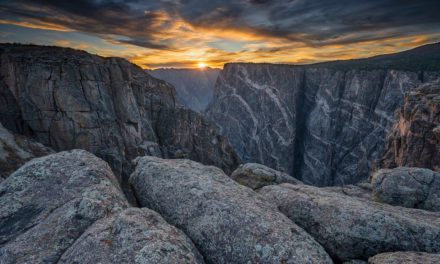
(325, 124)
(132, 236)
(408, 187)
(49, 202)
(414, 140)
(71, 99)
(228, 223)
(255, 176)
(194, 87)
(16, 149)
(353, 228)
(405, 257)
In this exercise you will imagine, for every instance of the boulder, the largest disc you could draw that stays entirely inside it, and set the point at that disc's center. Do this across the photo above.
(255, 176)
(132, 236)
(405, 258)
(352, 228)
(228, 222)
(360, 190)
(50, 201)
(16, 149)
(408, 187)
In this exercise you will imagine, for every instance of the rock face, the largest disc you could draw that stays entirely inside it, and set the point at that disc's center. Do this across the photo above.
(323, 123)
(132, 236)
(71, 99)
(255, 176)
(405, 257)
(408, 187)
(194, 87)
(49, 202)
(414, 140)
(229, 223)
(352, 228)
(15, 150)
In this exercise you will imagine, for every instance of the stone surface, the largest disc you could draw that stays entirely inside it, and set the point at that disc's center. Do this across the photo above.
(194, 87)
(67, 99)
(255, 176)
(132, 236)
(405, 258)
(16, 149)
(353, 228)
(361, 190)
(414, 140)
(228, 222)
(325, 124)
(408, 187)
(50, 201)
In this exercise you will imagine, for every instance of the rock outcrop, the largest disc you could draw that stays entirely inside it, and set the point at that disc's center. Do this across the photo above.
(324, 123)
(16, 149)
(228, 223)
(132, 236)
(255, 176)
(414, 140)
(194, 87)
(353, 228)
(50, 201)
(408, 187)
(69, 99)
(405, 257)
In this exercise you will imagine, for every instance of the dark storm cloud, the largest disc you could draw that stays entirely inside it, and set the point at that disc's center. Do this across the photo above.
(313, 23)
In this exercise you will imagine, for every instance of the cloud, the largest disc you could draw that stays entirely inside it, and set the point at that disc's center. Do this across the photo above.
(182, 31)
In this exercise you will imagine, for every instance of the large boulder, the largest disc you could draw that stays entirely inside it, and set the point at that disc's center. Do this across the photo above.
(408, 187)
(229, 223)
(50, 201)
(405, 258)
(353, 228)
(256, 175)
(133, 236)
(16, 149)
(414, 140)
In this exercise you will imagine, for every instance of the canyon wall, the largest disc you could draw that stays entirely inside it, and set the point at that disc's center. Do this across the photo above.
(325, 124)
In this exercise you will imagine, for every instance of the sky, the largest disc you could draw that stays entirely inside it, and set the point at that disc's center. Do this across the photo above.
(195, 33)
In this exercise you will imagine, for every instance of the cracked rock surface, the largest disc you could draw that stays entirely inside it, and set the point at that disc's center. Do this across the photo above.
(408, 187)
(353, 228)
(16, 149)
(255, 176)
(133, 236)
(50, 201)
(229, 223)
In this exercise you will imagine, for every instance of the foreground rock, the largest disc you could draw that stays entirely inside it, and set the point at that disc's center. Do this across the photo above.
(229, 223)
(405, 257)
(408, 187)
(415, 138)
(361, 190)
(351, 228)
(68, 99)
(255, 176)
(15, 150)
(50, 201)
(132, 236)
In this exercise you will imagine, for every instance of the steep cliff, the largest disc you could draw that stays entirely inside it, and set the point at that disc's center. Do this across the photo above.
(414, 140)
(194, 87)
(71, 99)
(324, 124)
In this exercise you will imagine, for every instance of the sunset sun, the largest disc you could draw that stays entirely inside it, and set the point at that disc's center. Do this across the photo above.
(201, 65)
